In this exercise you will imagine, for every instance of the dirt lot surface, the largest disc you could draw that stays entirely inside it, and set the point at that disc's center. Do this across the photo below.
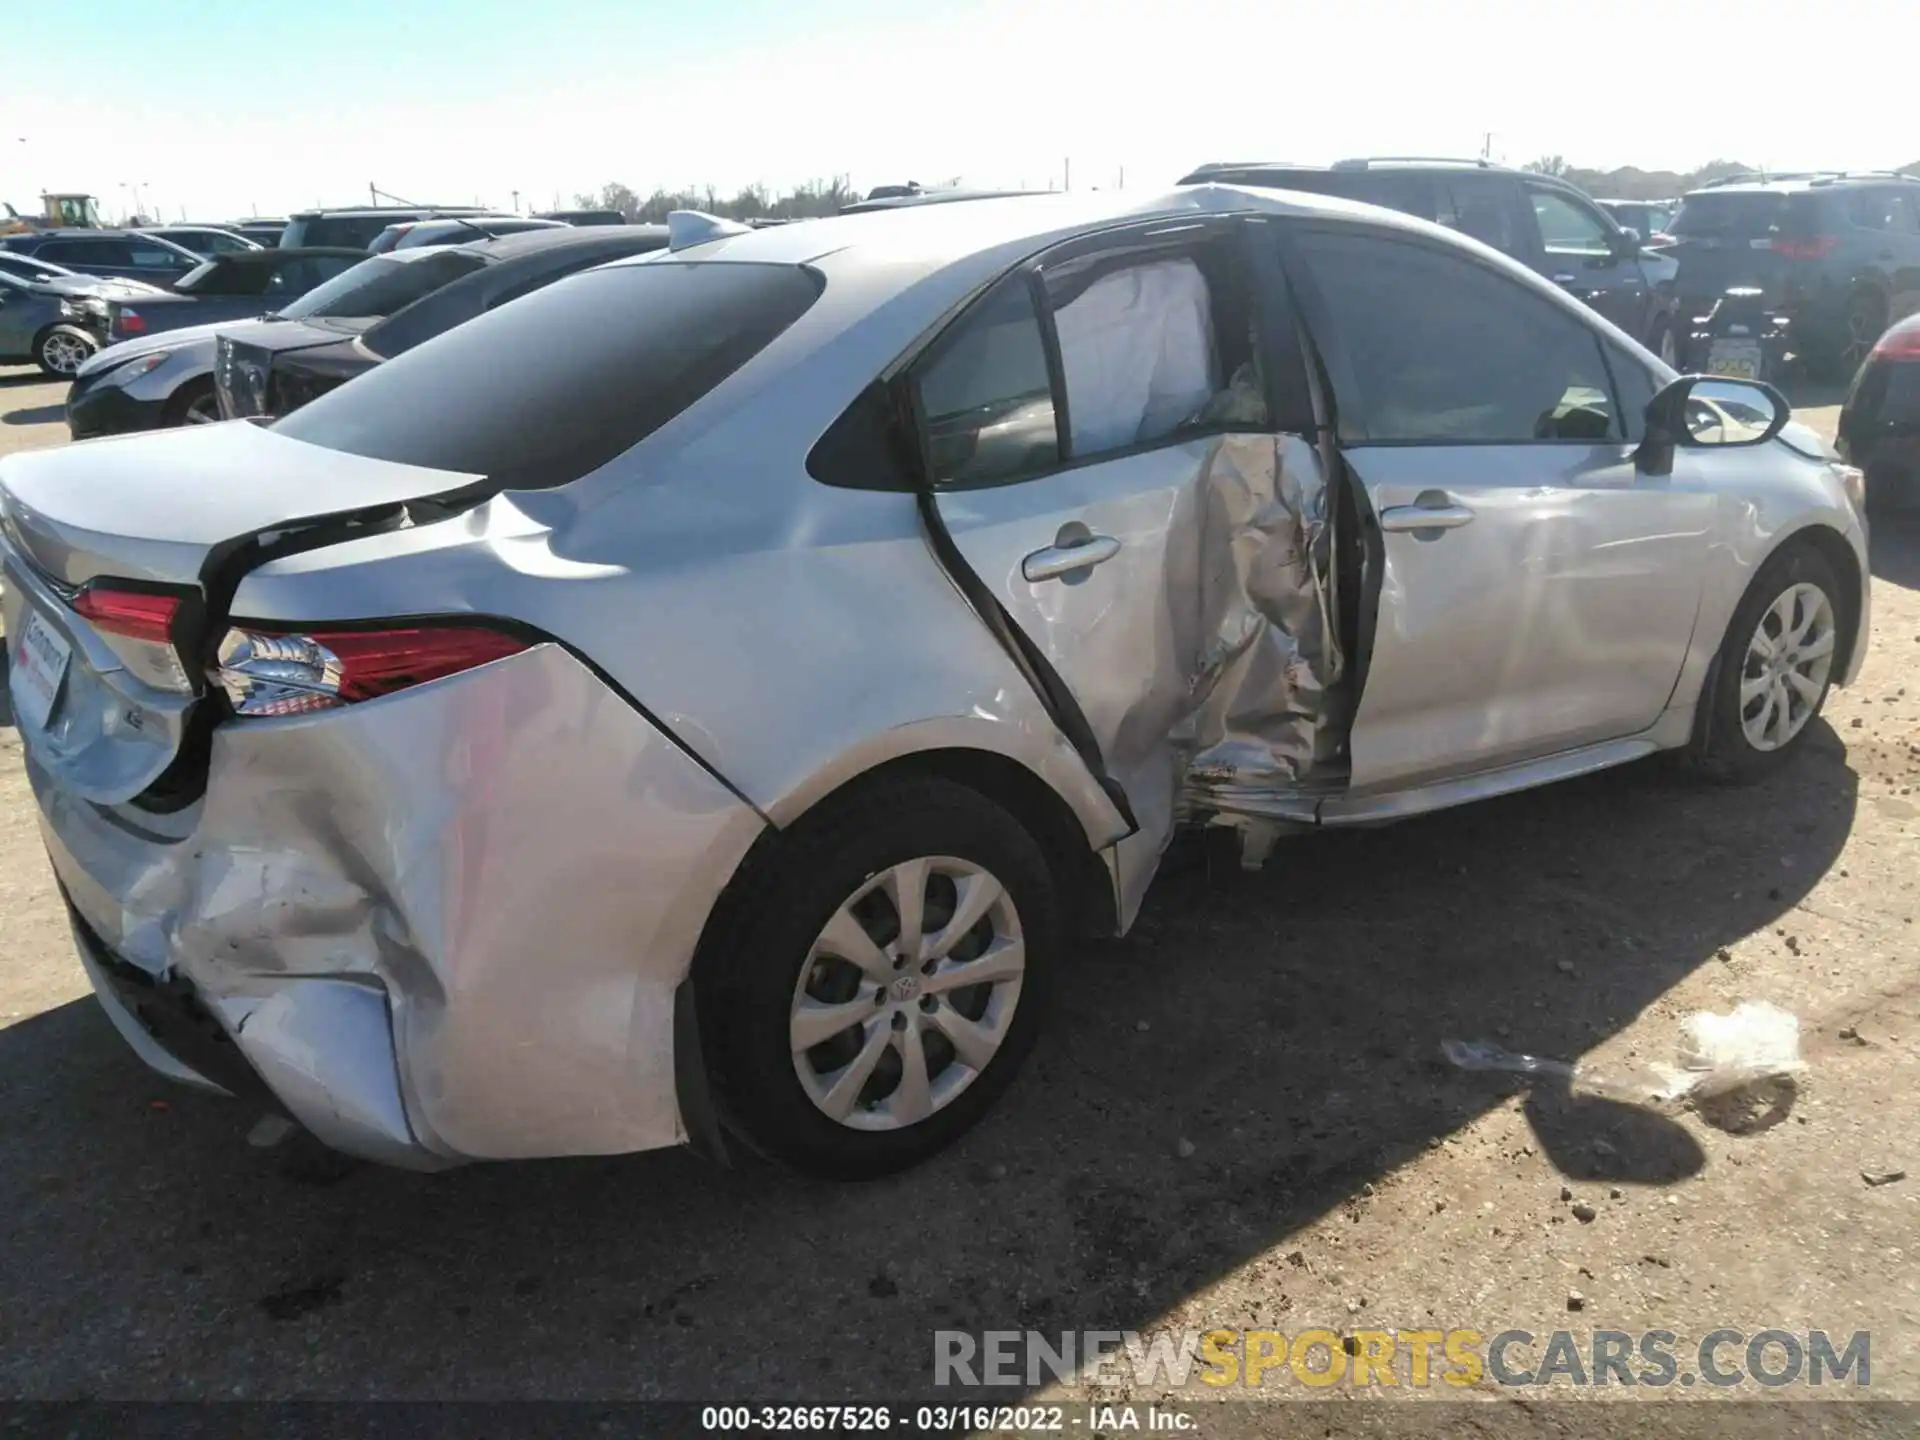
(1239, 1118)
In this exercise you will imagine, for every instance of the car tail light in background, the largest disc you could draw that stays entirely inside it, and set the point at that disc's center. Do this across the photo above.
(274, 672)
(139, 626)
(1902, 343)
(1804, 247)
(129, 322)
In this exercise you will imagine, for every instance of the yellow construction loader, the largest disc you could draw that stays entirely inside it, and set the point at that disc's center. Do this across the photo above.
(57, 212)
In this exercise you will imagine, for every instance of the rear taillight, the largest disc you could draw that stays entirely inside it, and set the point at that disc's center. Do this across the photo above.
(137, 614)
(140, 626)
(130, 322)
(272, 672)
(1900, 344)
(1808, 247)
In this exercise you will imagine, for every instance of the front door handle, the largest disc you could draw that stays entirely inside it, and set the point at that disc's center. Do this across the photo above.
(1564, 279)
(1057, 560)
(1400, 519)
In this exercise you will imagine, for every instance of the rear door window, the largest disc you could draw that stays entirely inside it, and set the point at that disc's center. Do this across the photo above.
(1739, 216)
(985, 394)
(1873, 209)
(146, 255)
(1469, 204)
(87, 252)
(543, 391)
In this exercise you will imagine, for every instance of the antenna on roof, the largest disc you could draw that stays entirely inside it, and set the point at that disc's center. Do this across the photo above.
(687, 228)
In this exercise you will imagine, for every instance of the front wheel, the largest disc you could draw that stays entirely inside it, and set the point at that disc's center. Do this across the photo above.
(882, 979)
(194, 403)
(62, 349)
(1774, 670)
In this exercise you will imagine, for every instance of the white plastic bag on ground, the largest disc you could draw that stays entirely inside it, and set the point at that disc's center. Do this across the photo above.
(1719, 1054)
(1716, 1055)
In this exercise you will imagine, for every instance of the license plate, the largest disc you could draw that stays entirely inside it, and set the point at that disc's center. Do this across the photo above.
(1735, 359)
(39, 665)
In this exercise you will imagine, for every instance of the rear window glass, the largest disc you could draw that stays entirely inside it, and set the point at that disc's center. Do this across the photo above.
(378, 287)
(542, 391)
(352, 231)
(1748, 215)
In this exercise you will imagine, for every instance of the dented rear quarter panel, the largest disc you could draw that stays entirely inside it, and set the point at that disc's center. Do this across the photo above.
(527, 919)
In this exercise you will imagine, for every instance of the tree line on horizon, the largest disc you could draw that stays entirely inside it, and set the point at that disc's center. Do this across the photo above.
(827, 197)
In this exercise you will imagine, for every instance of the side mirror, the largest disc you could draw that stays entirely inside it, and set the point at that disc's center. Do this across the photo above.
(1628, 241)
(1708, 412)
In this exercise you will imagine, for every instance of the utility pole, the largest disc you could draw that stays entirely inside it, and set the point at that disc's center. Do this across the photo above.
(1066, 179)
(1486, 148)
(373, 195)
(516, 202)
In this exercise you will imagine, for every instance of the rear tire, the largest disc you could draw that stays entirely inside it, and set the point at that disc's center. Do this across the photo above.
(1774, 670)
(888, 1087)
(60, 350)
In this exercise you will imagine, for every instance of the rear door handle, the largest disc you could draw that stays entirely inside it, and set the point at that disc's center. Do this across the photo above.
(1564, 279)
(1057, 560)
(1400, 519)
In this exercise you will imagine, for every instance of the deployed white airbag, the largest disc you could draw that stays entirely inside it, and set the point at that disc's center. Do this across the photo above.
(1137, 349)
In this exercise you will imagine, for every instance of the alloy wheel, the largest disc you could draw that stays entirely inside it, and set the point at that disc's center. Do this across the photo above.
(64, 353)
(907, 993)
(1788, 662)
(204, 410)
(1669, 348)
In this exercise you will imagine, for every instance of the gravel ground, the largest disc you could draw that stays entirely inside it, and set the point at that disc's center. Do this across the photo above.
(1239, 1118)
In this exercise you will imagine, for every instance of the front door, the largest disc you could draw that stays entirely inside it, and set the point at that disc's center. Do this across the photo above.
(1536, 593)
(1584, 255)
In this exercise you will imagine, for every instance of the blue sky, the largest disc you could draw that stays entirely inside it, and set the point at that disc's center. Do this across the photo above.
(222, 106)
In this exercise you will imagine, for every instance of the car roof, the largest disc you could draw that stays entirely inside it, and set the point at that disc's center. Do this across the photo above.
(1801, 182)
(527, 242)
(928, 236)
(287, 254)
(397, 211)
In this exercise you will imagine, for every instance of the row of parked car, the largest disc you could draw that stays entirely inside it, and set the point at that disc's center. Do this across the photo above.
(1731, 279)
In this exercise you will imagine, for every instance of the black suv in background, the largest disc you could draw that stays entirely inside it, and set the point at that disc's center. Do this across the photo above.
(1835, 255)
(121, 254)
(1544, 223)
(356, 227)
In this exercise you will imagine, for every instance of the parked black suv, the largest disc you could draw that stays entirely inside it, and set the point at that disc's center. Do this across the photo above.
(1836, 256)
(1546, 224)
(356, 227)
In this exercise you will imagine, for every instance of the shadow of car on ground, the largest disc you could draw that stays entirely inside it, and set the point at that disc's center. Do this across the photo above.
(1285, 1024)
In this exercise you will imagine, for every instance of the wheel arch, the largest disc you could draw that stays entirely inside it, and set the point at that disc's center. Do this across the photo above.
(1081, 872)
(1833, 547)
(40, 335)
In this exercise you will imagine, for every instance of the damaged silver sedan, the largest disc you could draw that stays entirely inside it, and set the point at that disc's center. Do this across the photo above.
(714, 731)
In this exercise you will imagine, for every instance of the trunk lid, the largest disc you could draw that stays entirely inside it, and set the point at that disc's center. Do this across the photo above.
(1723, 239)
(180, 514)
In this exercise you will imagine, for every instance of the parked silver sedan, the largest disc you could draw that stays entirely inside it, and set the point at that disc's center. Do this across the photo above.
(717, 731)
